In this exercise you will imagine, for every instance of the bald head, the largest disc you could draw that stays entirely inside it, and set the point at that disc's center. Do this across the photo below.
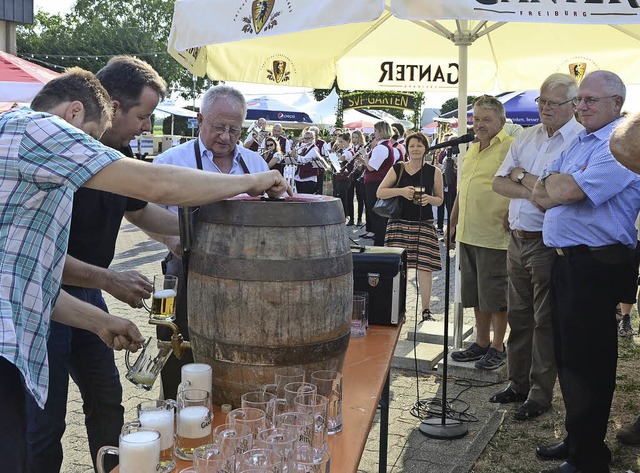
(625, 143)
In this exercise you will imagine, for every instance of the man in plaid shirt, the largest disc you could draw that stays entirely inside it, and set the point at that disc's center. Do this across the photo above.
(45, 156)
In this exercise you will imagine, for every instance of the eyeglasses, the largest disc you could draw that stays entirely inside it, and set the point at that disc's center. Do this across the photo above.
(307, 138)
(551, 104)
(220, 129)
(588, 101)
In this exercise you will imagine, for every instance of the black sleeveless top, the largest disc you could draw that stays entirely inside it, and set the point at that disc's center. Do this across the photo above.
(423, 178)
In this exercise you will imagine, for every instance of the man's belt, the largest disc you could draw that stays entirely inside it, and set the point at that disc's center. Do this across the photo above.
(524, 235)
(617, 249)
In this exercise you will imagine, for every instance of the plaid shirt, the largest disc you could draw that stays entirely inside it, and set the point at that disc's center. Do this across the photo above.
(43, 160)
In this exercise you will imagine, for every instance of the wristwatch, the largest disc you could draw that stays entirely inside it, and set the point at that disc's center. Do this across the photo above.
(547, 174)
(520, 176)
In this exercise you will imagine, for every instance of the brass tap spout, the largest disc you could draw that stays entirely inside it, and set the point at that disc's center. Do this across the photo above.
(177, 343)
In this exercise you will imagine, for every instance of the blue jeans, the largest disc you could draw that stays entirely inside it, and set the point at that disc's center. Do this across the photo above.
(91, 364)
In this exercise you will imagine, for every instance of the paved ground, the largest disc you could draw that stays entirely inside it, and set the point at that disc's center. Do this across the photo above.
(409, 451)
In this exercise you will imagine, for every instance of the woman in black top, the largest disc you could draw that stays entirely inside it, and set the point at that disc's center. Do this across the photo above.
(420, 188)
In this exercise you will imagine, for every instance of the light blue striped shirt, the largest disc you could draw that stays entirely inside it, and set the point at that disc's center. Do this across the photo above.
(43, 161)
(608, 213)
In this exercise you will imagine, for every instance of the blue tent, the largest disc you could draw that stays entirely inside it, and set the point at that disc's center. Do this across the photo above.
(520, 107)
(275, 111)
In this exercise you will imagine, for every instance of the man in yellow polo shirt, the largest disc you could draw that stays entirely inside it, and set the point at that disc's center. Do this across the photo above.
(479, 214)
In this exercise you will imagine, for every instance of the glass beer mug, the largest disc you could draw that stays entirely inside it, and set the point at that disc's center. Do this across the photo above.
(163, 299)
(138, 449)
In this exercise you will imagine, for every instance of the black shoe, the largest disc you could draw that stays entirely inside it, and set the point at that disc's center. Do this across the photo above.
(565, 467)
(555, 451)
(350, 223)
(427, 316)
(359, 223)
(630, 434)
(529, 410)
(473, 353)
(492, 360)
(507, 396)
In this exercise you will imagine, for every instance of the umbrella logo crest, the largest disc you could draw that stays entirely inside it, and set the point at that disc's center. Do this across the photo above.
(577, 70)
(261, 17)
(279, 72)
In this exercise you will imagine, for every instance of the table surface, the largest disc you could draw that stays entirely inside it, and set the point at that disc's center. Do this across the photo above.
(365, 370)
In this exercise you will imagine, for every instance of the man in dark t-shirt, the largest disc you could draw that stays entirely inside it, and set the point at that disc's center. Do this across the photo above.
(95, 222)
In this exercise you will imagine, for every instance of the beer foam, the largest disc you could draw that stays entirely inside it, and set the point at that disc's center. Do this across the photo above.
(164, 294)
(194, 422)
(142, 436)
(160, 420)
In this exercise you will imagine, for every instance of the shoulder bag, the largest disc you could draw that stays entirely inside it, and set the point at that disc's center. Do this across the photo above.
(390, 208)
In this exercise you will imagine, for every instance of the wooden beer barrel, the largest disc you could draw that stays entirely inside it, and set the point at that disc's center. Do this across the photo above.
(270, 285)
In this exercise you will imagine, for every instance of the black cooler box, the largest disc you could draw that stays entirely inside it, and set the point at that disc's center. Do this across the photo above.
(382, 272)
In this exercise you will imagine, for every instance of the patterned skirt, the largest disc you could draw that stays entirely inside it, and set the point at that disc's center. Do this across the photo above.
(420, 241)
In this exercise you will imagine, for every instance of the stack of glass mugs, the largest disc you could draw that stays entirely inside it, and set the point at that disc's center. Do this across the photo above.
(280, 428)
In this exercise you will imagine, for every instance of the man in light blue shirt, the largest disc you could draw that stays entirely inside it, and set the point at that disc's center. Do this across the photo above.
(532, 367)
(222, 112)
(592, 203)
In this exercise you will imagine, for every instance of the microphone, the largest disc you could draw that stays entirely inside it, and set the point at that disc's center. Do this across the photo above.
(456, 141)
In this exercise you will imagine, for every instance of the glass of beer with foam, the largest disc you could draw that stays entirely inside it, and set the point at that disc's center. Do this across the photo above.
(163, 299)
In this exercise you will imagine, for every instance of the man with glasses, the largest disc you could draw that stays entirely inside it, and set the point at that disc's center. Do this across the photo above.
(222, 112)
(532, 368)
(592, 203)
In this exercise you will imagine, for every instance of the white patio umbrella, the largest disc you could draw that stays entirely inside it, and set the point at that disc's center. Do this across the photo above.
(405, 44)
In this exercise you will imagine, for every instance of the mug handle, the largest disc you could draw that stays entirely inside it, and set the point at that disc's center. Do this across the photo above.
(128, 352)
(106, 450)
(266, 389)
(182, 386)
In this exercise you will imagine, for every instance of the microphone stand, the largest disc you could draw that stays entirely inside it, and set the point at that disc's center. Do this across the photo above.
(444, 428)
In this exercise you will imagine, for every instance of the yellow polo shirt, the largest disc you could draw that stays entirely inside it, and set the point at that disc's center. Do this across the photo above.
(482, 211)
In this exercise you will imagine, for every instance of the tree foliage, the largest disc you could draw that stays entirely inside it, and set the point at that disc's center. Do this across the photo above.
(452, 104)
(95, 30)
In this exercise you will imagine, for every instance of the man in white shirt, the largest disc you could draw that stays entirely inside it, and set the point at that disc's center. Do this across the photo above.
(532, 367)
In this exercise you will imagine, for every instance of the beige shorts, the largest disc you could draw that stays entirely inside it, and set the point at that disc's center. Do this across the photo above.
(483, 277)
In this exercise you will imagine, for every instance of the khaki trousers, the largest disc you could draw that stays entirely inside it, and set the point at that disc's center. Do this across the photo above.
(531, 362)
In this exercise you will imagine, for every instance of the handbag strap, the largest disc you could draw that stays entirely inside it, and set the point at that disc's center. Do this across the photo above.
(400, 175)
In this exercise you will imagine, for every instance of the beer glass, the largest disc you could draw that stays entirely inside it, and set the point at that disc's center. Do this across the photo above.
(301, 423)
(210, 459)
(359, 317)
(305, 459)
(418, 192)
(316, 405)
(138, 449)
(281, 440)
(233, 439)
(163, 299)
(260, 458)
(262, 400)
(160, 416)
(150, 361)
(282, 377)
(253, 418)
(194, 422)
(329, 383)
(196, 376)
(291, 390)
(364, 294)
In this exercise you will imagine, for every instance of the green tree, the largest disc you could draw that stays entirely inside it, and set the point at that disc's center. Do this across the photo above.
(96, 30)
(452, 104)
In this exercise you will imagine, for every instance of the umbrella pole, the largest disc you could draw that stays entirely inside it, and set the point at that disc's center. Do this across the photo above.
(446, 427)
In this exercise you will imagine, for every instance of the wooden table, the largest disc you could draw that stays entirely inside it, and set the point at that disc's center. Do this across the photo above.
(365, 388)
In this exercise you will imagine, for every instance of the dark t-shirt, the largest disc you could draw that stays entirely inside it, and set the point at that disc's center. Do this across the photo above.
(411, 211)
(95, 222)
